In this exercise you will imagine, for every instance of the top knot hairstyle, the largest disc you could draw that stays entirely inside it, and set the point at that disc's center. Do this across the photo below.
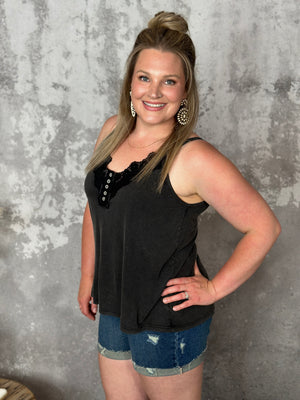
(168, 20)
(166, 32)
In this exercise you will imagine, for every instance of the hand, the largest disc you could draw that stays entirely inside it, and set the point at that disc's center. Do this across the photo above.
(86, 304)
(200, 291)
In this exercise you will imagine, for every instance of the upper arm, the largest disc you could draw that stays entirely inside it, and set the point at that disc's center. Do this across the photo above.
(107, 128)
(221, 185)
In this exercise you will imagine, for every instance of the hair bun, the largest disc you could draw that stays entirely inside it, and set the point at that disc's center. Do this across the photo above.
(168, 20)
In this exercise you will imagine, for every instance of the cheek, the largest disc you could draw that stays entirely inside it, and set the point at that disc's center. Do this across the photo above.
(176, 98)
(175, 95)
(137, 89)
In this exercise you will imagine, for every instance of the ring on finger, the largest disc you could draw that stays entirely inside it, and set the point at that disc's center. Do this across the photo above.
(186, 295)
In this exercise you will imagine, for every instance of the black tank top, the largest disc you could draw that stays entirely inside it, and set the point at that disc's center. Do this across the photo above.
(142, 239)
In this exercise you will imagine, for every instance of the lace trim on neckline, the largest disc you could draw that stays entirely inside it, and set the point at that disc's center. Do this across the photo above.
(108, 182)
(132, 166)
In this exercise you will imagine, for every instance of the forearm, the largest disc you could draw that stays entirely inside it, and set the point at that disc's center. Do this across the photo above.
(244, 261)
(87, 247)
(87, 307)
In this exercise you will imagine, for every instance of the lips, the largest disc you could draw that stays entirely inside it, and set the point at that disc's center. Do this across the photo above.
(154, 106)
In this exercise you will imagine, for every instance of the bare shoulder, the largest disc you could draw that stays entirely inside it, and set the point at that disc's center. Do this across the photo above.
(217, 180)
(107, 128)
(198, 167)
(201, 155)
(209, 173)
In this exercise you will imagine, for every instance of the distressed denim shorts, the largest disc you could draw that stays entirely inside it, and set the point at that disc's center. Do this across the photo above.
(154, 353)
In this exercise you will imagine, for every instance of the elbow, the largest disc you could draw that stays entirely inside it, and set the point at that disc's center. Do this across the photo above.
(271, 231)
(274, 230)
(277, 229)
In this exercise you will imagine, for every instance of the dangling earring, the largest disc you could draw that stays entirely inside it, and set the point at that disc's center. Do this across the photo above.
(183, 113)
(133, 113)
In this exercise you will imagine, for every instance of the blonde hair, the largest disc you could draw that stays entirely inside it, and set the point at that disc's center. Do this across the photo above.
(166, 31)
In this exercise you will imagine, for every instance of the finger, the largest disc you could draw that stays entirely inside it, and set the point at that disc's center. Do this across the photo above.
(172, 299)
(174, 289)
(183, 305)
(90, 315)
(178, 281)
(94, 306)
(84, 308)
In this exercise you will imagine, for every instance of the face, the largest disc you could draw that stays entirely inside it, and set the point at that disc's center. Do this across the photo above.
(157, 87)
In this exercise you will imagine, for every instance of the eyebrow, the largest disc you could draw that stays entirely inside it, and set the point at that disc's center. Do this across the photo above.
(165, 76)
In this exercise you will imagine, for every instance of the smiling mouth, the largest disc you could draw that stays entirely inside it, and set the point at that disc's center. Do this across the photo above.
(154, 105)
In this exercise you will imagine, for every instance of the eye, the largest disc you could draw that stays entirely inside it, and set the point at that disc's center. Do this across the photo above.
(170, 82)
(143, 78)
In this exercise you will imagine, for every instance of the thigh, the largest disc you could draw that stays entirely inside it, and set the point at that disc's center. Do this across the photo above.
(187, 386)
(120, 380)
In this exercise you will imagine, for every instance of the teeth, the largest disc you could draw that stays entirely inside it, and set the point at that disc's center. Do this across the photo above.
(153, 105)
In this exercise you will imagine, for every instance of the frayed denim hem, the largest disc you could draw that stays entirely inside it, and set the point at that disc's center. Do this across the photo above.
(171, 371)
(114, 355)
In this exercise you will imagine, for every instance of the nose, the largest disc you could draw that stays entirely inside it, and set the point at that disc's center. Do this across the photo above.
(154, 90)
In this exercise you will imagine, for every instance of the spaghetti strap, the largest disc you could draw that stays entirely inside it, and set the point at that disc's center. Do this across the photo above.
(192, 139)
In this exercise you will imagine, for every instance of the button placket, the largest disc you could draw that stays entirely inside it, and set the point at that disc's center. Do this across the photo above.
(109, 182)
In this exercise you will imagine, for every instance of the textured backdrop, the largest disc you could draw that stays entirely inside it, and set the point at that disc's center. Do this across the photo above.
(61, 64)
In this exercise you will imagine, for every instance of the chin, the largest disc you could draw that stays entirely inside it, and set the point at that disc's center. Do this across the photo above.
(156, 119)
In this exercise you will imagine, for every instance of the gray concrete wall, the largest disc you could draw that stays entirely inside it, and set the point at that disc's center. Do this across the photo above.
(61, 63)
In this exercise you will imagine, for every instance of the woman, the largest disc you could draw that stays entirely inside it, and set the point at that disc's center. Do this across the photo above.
(148, 180)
